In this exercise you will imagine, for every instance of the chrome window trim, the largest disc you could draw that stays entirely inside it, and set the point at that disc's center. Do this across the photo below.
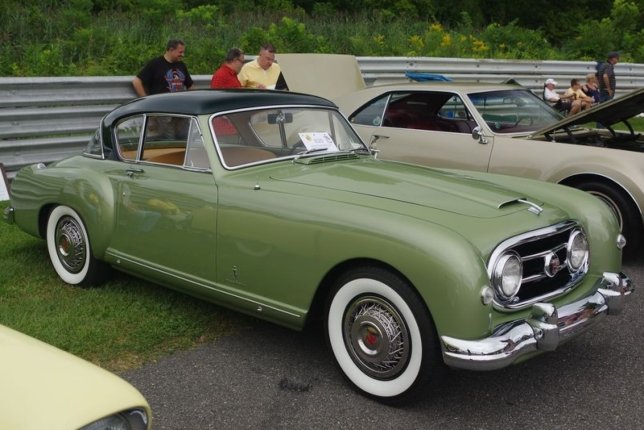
(101, 144)
(115, 138)
(265, 108)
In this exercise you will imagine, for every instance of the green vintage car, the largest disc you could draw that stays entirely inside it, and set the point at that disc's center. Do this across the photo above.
(269, 203)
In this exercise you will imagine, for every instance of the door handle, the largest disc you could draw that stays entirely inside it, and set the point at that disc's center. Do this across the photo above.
(377, 137)
(133, 171)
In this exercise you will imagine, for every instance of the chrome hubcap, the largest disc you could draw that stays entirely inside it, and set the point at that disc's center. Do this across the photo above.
(377, 338)
(70, 244)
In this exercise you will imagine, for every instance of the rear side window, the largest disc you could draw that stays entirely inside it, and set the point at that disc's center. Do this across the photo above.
(162, 139)
(166, 139)
(418, 110)
(372, 113)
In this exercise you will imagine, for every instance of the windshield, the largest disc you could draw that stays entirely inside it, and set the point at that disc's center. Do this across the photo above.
(514, 111)
(263, 135)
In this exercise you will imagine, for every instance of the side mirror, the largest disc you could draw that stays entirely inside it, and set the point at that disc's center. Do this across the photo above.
(280, 118)
(478, 135)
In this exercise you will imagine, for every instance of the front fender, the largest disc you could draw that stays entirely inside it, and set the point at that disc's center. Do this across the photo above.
(446, 269)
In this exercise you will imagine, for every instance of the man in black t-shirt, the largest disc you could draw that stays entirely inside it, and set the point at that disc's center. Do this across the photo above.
(164, 74)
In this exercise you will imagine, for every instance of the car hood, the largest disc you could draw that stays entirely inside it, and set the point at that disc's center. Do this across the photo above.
(324, 75)
(42, 387)
(607, 113)
(446, 191)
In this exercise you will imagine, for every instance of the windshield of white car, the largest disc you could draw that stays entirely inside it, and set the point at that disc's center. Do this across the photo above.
(266, 135)
(513, 110)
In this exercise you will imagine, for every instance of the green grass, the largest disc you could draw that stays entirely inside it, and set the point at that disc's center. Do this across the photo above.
(637, 123)
(121, 325)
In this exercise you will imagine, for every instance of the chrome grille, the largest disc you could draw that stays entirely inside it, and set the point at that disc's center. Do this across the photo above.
(543, 253)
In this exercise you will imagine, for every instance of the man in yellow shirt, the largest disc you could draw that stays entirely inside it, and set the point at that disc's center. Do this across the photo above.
(262, 72)
(575, 93)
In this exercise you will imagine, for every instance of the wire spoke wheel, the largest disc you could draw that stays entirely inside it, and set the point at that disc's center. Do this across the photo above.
(377, 337)
(70, 251)
(71, 245)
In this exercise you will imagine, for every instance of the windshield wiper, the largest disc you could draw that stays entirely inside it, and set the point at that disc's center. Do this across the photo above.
(309, 151)
(361, 150)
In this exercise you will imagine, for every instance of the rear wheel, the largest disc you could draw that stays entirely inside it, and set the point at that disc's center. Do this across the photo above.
(381, 335)
(70, 251)
(624, 209)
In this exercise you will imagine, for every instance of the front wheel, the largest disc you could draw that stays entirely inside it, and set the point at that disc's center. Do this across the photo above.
(381, 335)
(69, 249)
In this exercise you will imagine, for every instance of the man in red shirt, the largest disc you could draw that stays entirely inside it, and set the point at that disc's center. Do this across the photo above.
(226, 75)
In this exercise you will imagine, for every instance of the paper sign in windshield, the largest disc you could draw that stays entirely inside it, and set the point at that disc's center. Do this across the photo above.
(318, 141)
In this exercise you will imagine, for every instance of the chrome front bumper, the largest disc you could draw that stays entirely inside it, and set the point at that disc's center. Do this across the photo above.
(544, 330)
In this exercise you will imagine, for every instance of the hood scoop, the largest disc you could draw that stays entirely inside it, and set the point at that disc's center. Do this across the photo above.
(532, 207)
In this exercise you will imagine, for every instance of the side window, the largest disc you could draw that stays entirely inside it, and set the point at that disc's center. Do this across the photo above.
(428, 110)
(95, 146)
(165, 139)
(372, 113)
(196, 156)
(128, 135)
(403, 111)
(454, 108)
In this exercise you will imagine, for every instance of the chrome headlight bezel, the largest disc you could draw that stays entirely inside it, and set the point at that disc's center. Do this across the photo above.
(577, 251)
(507, 275)
(132, 419)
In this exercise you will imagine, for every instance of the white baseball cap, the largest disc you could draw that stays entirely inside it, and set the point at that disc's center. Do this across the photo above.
(551, 81)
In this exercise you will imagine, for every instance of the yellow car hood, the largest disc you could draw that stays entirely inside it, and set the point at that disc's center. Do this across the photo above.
(42, 387)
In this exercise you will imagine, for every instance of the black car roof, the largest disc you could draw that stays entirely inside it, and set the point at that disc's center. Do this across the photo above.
(201, 102)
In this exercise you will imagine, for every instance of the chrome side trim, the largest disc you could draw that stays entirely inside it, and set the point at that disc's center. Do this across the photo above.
(544, 330)
(259, 305)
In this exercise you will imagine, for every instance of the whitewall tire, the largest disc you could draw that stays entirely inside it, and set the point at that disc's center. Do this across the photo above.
(69, 248)
(381, 335)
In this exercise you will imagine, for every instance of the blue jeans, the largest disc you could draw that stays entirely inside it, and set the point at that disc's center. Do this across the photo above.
(604, 96)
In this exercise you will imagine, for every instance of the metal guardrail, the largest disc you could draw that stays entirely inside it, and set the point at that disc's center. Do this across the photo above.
(531, 74)
(45, 119)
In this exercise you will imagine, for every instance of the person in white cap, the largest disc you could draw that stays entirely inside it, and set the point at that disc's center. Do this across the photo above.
(565, 104)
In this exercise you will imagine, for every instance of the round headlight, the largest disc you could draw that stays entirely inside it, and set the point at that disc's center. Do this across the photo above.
(577, 251)
(134, 419)
(507, 275)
